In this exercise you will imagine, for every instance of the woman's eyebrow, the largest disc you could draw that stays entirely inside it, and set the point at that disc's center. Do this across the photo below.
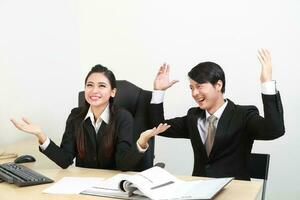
(102, 83)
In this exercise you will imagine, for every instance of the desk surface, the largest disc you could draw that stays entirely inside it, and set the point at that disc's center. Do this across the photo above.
(234, 190)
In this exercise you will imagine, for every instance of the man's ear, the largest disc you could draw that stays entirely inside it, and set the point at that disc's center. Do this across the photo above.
(113, 92)
(219, 85)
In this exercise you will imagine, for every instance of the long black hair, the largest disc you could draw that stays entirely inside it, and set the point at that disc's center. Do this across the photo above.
(108, 137)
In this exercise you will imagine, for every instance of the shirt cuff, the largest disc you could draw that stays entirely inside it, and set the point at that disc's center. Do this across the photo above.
(268, 88)
(45, 144)
(157, 96)
(141, 150)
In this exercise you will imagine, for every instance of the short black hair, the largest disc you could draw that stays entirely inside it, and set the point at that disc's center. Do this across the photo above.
(208, 72)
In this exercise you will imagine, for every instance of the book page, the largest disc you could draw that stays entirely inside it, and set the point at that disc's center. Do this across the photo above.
(109, 188)
(154, 183)
(204, 189)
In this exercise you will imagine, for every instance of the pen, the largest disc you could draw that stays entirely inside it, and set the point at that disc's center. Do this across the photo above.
(162, 185)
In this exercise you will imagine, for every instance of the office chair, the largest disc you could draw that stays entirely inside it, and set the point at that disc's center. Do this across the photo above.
(258, 167)
(136, 101)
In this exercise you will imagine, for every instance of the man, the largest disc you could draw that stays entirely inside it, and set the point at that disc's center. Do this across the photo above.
(221, 132)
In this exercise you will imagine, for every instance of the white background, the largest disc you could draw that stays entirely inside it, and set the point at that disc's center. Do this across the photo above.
(47, 47)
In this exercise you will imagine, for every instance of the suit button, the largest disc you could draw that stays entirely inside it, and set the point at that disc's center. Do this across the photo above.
(207, 166)
(95, 158)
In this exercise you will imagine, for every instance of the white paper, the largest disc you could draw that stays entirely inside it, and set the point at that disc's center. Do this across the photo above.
(72, 185)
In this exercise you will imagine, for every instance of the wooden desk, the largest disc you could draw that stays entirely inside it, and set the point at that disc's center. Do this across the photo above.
(245, 190)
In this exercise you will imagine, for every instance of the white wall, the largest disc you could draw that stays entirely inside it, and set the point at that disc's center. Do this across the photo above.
(39, 64)
(41, 42)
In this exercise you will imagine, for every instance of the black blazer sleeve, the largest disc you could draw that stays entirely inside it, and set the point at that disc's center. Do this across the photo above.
(178, 127)
(270, 126)
(64, 155)
(127, 155)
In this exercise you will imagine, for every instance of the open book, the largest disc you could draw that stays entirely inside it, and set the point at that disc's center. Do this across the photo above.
(156, 183)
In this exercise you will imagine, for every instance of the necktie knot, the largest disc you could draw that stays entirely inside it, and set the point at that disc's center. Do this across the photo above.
(211, 119)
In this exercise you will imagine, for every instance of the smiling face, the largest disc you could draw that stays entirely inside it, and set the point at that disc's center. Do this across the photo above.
(98, 90)
(208, 97)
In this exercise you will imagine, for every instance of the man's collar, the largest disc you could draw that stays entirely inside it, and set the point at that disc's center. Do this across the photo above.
(219, 112)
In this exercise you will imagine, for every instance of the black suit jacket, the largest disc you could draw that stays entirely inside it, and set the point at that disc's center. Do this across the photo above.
(125, 156)
(237, 129)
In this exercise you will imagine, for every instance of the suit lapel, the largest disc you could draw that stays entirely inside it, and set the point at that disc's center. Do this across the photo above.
(101, 131)
(94, 138)
(195, 131)
(223, 125)
(91, 133)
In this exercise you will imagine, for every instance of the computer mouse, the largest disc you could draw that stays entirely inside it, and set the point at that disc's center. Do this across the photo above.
(24, 159)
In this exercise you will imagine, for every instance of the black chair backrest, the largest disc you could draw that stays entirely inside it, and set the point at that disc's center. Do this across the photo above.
(258, 167)
(136, 101)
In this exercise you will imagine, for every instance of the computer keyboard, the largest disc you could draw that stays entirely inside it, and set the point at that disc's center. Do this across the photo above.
(21, 175)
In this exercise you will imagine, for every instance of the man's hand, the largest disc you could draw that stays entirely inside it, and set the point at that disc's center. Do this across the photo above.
(162, 81)
(264, 57)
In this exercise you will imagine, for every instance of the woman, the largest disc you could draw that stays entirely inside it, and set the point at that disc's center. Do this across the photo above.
(98, 135)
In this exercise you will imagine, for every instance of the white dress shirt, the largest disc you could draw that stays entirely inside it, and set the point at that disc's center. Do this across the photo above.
(103, 117)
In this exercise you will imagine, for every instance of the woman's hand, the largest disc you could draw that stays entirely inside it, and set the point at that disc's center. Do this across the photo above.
(26, 126)
(148, 134)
